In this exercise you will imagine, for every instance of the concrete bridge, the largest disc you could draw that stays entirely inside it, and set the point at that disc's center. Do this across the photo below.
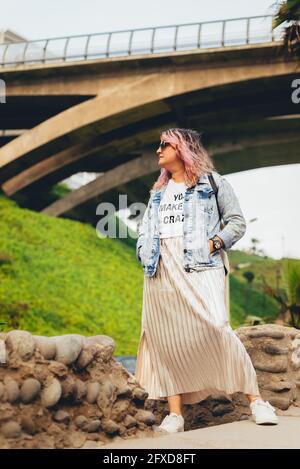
(105, 114)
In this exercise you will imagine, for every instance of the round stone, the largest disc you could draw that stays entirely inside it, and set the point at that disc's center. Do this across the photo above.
(29, 390)
(68, 348)
(51, 393)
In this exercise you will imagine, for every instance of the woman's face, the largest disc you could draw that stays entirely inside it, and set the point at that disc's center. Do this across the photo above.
(168, 158)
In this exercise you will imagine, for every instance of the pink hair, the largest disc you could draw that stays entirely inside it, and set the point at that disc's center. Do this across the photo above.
(191, 151)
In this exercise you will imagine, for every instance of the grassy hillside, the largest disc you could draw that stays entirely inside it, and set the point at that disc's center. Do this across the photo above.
(57, 276)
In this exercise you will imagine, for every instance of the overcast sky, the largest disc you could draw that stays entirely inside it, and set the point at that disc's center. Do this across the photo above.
(270, 194)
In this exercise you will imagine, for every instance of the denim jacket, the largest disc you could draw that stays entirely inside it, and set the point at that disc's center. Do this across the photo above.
(201, 222)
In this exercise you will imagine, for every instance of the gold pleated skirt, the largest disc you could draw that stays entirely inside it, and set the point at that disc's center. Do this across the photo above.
(187, 345)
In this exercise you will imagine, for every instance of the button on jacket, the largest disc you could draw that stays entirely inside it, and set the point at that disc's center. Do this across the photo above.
(201, 222)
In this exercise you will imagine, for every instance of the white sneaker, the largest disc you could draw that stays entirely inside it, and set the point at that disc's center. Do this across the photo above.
(172, 423)
(263, 412)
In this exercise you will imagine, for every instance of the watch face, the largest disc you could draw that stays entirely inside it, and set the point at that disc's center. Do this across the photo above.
(217, 244)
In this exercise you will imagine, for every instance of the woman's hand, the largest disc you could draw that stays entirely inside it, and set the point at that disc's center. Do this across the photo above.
(211, 244)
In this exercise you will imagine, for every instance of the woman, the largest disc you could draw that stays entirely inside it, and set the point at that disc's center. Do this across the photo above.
(187, 348)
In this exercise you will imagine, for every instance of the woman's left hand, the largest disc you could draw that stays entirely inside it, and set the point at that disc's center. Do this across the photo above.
(211, 246)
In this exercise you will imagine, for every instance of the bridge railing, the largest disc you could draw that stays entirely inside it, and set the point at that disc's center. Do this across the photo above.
(152, 40)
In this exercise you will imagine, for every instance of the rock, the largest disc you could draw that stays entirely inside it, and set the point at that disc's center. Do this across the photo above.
(255, 334)
(12, 389)
(221, 398)
(110, 427)
(29, 390)
(28, 425)
(105, 398)
(222, 409)
(21, 342)
(86, 356)
(295, 359)
(295, 344)
(62, 416)
(46, 346)
(280, 402)
(3, 357)
(92, 426)
(2, 390)
(93, 436)
(104, 340)
(129, 421)
(107, 390)
(278, 366)
(280, 386)
(68, 387)
(11, 430)
(92, 392)
(77, 438)
(274, 350)
(139, 394)
(145, 416)
(91, 445)
(58, 369)
(68, 348)
(79, 390)
(119, 410)
(124, 391)
(244, 417)
(51, 393)
(80, 421)
(106, 345)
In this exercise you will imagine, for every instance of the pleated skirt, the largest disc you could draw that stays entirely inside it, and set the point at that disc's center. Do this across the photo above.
(187, 345)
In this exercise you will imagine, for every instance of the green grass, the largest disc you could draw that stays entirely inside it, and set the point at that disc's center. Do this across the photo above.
(71, 280)
(58, 277)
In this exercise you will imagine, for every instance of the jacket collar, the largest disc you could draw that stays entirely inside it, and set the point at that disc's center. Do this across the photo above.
(203, 179)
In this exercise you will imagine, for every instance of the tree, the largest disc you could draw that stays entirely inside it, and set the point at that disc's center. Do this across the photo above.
(289, 11)
(289, 298)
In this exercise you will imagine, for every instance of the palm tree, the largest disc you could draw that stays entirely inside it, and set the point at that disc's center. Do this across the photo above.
(289, 11)
(289, 298)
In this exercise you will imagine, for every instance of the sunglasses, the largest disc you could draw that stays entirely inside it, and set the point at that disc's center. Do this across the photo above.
(163, 144)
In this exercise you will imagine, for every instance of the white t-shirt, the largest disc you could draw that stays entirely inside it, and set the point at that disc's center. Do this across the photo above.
(171, 210)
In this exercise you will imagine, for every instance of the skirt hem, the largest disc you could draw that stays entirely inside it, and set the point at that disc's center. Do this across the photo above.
(204, 395)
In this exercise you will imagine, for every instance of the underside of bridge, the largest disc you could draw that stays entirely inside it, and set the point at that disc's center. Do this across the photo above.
(243, 109)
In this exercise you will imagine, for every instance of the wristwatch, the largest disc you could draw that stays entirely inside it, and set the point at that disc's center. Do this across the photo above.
(216, 243)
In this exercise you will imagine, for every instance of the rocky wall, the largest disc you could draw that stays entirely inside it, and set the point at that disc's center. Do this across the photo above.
(61, 392)
(70, 392)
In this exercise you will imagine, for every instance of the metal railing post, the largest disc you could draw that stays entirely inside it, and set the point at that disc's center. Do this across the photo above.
(24, 51)
(4, 54)
(65, 49)
(130, 42)
(199, 36)
(45, 50)
(108, 44)
(175, 38)
(87, 46)
(223, 32)
(152, 40)
(248, 29)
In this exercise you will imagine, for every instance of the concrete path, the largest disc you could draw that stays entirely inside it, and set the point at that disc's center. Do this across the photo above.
(244, 434)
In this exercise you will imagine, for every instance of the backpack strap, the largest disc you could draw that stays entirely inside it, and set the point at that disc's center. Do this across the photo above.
(215, 189)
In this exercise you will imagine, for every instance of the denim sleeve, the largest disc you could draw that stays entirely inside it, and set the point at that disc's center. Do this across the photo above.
(234, 221)
(141, 232)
